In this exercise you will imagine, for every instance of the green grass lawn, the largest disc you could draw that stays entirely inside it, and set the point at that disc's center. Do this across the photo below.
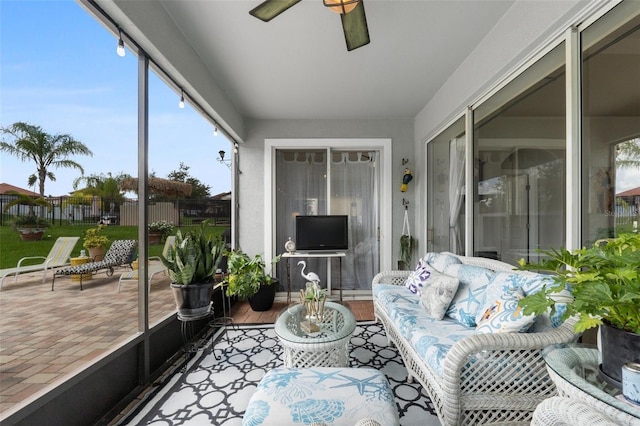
(12, 248)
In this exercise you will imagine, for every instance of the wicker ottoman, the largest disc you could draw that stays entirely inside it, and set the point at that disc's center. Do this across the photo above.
(322, 396)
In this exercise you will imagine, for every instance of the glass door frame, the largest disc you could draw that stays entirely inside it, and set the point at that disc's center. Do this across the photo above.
(382, 145)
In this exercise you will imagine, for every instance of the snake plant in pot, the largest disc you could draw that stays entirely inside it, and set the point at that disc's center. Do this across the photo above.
(192, 262)
(599, 285)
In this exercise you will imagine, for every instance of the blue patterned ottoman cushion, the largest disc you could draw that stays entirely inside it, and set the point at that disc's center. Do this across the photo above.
(321, 395)
(470, 296)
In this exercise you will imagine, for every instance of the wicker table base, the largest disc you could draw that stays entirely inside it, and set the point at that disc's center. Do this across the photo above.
(328, 347)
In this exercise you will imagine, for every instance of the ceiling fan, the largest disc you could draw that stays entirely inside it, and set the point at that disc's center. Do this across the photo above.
(354, 21)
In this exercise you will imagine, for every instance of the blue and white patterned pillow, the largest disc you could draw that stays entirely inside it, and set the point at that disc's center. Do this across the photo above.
(503, 315)
(470, 296)
(530, 283)
(440, 261)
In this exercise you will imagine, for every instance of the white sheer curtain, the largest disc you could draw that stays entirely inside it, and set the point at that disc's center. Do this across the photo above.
(354, 192)
(301, 189)
(456, 181)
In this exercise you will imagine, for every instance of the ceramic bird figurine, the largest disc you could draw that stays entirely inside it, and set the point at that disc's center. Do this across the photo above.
(408, 177)
(311, 276)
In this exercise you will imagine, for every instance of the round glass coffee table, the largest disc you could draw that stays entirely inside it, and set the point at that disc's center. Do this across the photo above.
(573, 367)
(326, 347)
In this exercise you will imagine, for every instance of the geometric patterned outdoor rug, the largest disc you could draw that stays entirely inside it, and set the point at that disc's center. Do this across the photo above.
(216, 387)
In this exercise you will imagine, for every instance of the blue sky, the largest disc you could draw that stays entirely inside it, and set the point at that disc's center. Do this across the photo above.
(59, 70)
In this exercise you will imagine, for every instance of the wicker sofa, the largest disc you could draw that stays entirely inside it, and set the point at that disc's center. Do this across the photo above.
(471, 377)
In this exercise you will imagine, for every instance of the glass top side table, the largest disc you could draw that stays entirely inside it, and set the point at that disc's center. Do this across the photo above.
(574, 370)
(327, 347)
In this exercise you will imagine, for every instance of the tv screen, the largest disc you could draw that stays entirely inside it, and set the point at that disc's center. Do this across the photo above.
(322, 233)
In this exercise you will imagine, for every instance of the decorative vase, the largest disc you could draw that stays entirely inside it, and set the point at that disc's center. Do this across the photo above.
(192, 300)
(263, 299)
(618, 347)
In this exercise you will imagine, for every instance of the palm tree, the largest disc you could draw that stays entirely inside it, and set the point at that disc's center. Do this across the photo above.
(32, 143)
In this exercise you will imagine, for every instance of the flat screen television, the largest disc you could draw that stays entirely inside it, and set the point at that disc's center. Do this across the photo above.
(322, 233)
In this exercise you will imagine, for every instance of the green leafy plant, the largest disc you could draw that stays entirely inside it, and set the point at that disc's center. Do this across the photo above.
(195, 256)
(603, 280)
(30, 220)
(93, 238)
(246, 274)
(407, 247)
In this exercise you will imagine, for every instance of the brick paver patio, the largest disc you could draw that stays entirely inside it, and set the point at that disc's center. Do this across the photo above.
(46, 335)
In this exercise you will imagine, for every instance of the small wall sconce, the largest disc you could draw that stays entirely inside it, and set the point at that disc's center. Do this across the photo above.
(222, 160)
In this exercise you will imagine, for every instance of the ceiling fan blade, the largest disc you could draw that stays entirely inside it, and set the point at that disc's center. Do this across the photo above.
(269, 9)
(354, 25)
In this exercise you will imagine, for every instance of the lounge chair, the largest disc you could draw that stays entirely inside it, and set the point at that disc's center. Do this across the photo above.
(57, 257)
(153, 268)
(121, 252)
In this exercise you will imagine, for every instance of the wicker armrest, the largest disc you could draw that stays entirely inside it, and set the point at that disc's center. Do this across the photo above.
(390, 277)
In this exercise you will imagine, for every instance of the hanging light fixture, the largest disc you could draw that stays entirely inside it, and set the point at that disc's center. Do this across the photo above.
(341, 6)
(222, 160)
(215, 131)
(181, 103)
(120, 49)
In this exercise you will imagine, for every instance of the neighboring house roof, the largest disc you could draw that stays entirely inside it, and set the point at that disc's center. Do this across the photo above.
(633, 192)
(222, 196)
(5, 187)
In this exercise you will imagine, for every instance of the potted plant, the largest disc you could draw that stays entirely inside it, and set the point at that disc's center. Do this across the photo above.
(30, 227)
(407, 247)
(192, 262)
(600, 286)
(159, 231)
(246, 278)
(95, 242)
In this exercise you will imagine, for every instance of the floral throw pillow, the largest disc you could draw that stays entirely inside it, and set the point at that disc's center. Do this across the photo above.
(503, 315)
(417, 279)
(438, 294)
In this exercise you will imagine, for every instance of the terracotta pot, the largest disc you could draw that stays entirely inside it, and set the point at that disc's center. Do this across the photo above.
(96, 253)
(31, 234)
(155, 238)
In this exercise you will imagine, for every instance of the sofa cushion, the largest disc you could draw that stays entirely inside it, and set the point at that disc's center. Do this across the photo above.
(470, 295)
(432, 340)
(503, 315)
(436, 297)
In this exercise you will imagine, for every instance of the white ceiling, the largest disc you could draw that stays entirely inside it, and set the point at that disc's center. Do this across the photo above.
(297, 66)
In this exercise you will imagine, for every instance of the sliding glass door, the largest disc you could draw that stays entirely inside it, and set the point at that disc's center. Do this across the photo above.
(330, 182)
